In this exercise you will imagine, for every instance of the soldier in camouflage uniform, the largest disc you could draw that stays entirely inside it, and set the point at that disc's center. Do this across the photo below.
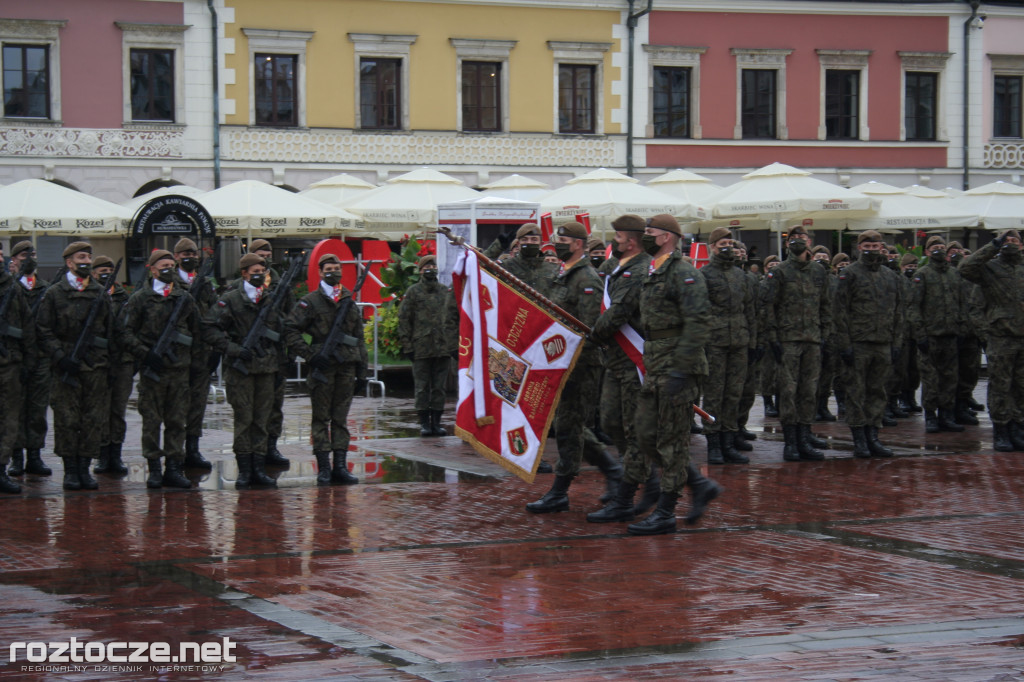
(428, 330)
(798, 317)
(935, 314)
(829, 351)
(996, 268)
(344, 369)
(204, 362)
(754, 354)
(730, 342)
(527, 265)
(908, 362)
(894, 381)
(577, 290)
(36, 387)
(767, 367)
(869, 308)
(841, 379)
(16, 337)
(251, 394)
(122, 373)
(969, 345)
(79, 388)
(163, 379)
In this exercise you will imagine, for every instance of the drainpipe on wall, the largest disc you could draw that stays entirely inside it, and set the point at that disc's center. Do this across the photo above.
(216, 95)
(967, 96)
(631, 22)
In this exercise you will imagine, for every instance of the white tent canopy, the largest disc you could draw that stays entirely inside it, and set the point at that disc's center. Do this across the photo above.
(45, 208)
(516, 187)
(606, 195)
(249, 207)
(135, 203)
(999, 204)
(900, 210)
(688, 186)
(337, 189)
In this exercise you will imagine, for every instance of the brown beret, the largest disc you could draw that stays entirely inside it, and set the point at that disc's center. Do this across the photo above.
(719, 233)
(259, 245)
(935, 240)
(738, 245)
(573, 229)
(953, 245)
(629, 223)
(770, 259)
(907, 259)
(868, 236)
(22, 246)
(75, 247)
(798, 229)
(821, 248)
(840, 258)
(102, 262)
(1009, 233)
(185, 244)
(889, 247)
(158, 255)
(327, 258)
(664, 221)
(427, 260)
(249, 260)
(594, 243)
(528, 228)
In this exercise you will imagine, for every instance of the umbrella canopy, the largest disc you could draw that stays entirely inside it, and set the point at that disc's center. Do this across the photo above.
(249, 207)
(516, 187)
(901, 210)
(688, 186)
(134, 203)
(45, 208)
(337, 189)
(605, 195)
(999, 204)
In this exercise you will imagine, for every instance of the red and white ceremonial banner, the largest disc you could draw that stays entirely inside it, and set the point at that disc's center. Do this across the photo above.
(629, 340)
(514, 359)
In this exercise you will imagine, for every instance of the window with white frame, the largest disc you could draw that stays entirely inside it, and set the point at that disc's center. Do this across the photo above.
(578, 79)
(277, 77)
(482, 84)
(30, 67)
(843, 100)
(674, 91)
(1007, 84)
(382, 80)
(923, 101)
(760, 93)
(152, 58)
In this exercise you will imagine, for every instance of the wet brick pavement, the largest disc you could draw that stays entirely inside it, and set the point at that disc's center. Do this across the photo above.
(904, 569)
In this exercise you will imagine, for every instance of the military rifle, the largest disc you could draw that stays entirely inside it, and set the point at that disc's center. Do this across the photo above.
(7, 329)
(169, 336)
(337, 336)
(86, 338)
(254, 339)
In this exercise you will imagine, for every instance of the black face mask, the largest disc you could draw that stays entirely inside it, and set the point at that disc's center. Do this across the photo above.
(596, 261)
(726, 253)
(616, 251)
(529, 250)
(189, 264)
(1010, 253)
(956, 258)
(83, 269)
(165, 275)
(28, 266)
(104, 279)
(331, 278)
(798, 247)
(937, 256)
(257, 280)
(563, 251)
(430, 275)
(873, 258)
(650, 244)
(909, 273)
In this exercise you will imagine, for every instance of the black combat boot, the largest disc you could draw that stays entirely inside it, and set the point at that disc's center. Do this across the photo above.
(804, 445)
(931, 422)
(619, 508)
(554, 500)
(770, 408)
(174, 477)
(895, 409)
(661, 521)
(1001, 438)
(34, 464)
(84, 477)
(155, 480)
(71, 481)
(908, 403)
(323, 467)
(340, 475)
(695, 428)
(193, 458)
(1016, 434)
(425, 429)
(703, 489)
(823, 414)
(729, 452)
(962, 415)
(814, 440)
(244, 480)
(274, 457)
(612, 471)
(791, 450)
(876, 448)
(6, 484)
(887, 420)
(744, 433)
(715, 448)
(545, 468)
(739, 442)
(103, 461)
(116, 463)
(947, 421)
(17, 466)
(860, 442)
(652, 490)
(260, 478)
(974, 404)
(435, 424)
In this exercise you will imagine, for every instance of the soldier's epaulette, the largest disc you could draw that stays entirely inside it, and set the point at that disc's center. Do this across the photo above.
(303, 304)
(222, 303)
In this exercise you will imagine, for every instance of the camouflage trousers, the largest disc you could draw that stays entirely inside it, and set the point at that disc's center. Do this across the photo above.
(1005, 379)
(79, 413)
(429, 376)
(866, 390)
(10, 410)
(619, 392)
(251, 398)
(36, 398)
(161, 404)
(750, 385)
(798, 381)
(276, 422)
(969, 363)
(571, 436)
(912, 374)
(723, 387)
(331, 402)
(829, 367)
(938, 369)
(198, 393)
(663, 429)
(120, 382)
(768, 369)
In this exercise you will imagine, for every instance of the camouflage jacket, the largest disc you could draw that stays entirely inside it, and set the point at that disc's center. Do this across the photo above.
(731, 302)
(754, 321)
(623, 285)
(869, 306)
(145, 317)
(20, 338)
(428, 321)
(676, 316)
(1002, 287)
(31, 296)
(797, 307)
(314, 315)
(577, 291)
(62, 316)
(936, 306)
(536, 272)
(228, 322)
(118, 299)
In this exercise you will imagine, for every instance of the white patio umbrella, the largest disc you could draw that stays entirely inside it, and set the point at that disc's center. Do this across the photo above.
(900, 210)
(337, 189)
(135, 203)
(516, 187)
(44, 208)
(999, 204)
(408, 202)
(249, 207)
(685, 185)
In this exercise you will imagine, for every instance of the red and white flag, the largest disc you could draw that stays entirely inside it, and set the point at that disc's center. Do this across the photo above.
(629, 340)
(514, 359)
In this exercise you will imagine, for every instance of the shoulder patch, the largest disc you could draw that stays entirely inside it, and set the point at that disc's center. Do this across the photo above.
(627, 273)
(917, 279)
(222, 303)
(689, 280)
(842, 276)
(303, 304)
(588, 290)
(771, 275)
